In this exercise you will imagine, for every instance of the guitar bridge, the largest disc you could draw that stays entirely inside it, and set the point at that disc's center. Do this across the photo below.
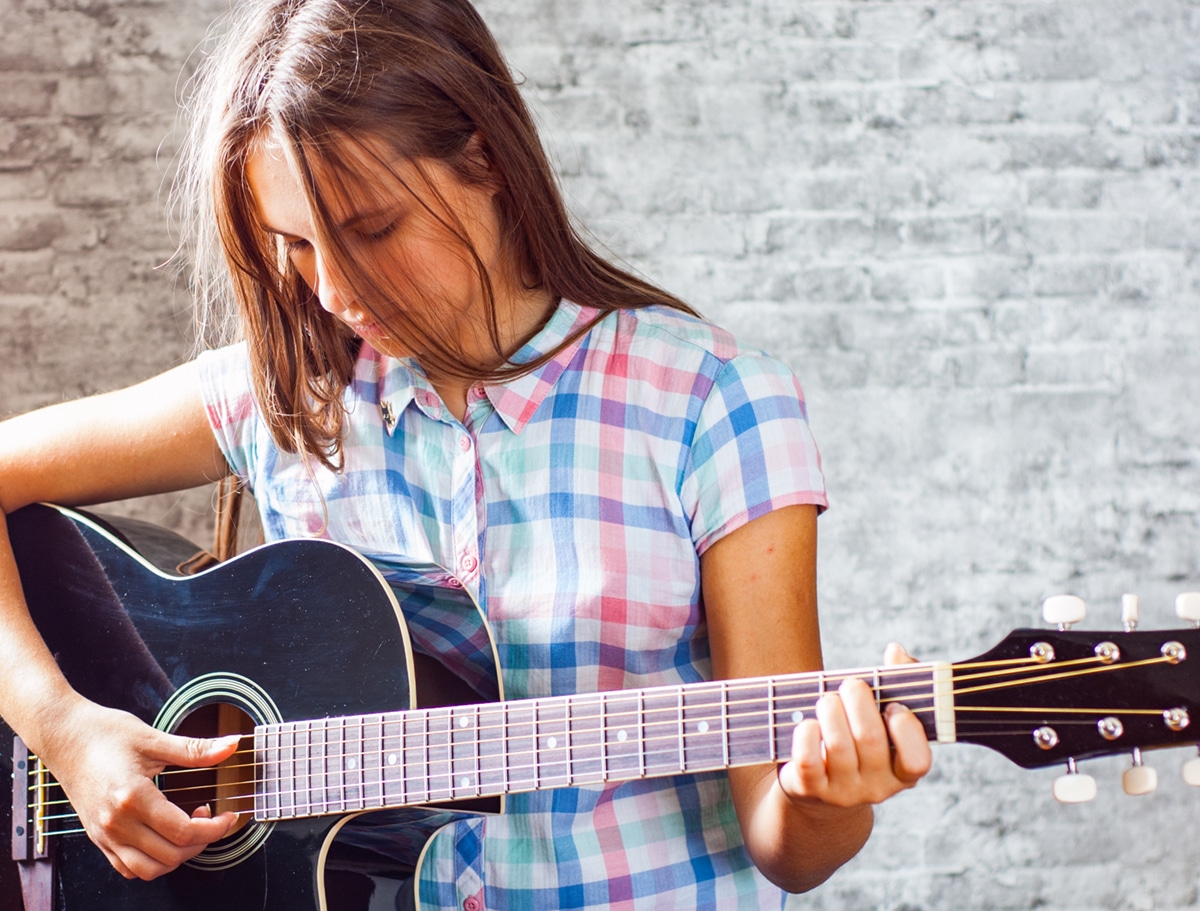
(30, 810)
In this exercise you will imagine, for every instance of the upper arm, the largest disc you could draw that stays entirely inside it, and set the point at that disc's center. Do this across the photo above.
(148, 438)
(759, 585)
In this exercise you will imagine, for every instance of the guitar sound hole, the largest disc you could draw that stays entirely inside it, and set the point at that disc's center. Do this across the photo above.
(228, 786)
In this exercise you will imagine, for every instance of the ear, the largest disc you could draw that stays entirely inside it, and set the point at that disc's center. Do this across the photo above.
(479, 164)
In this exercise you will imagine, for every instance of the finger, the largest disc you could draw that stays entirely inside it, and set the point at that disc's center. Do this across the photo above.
(841, 751)
(192, 752)
(804, 774)
(912, 756)
(871, 747)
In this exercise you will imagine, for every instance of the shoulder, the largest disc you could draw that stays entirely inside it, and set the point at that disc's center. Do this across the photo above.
(670, 348)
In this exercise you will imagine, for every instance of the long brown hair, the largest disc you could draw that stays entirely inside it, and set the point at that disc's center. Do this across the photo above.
(427, 79)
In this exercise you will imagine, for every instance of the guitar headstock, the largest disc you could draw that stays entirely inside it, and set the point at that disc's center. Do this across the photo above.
(1053, 697)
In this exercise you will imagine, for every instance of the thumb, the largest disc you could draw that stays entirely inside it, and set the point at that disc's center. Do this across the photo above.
(896, 654)
(194, 752)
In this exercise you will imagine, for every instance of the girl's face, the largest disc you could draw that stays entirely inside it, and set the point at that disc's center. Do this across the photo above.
(426, 270)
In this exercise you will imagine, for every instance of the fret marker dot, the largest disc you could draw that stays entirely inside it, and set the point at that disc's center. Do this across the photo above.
(391, 758)
(797, 717)
(551, 742)
(621, 735)
(349, 763)
(464, 782)
(464, 721)
(702, 727)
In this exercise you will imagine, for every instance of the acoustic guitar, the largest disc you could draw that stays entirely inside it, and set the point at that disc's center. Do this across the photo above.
(371, 704)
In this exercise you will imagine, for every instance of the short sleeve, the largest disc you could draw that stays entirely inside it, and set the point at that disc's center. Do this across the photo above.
(752, 451)
(230, 405)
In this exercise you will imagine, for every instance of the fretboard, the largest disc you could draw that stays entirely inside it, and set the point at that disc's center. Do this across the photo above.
(360, 762)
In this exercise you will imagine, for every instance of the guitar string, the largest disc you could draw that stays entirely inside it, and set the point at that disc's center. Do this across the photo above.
(444, 712)
(673, 721)
(610, 719)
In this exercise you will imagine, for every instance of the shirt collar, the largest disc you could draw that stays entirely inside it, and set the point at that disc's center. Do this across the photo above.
(517, 400)
(401, 381)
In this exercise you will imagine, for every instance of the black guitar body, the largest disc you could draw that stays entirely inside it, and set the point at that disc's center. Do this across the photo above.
(301, 630)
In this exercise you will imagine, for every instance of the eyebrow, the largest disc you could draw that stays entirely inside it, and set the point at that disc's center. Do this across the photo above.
(350, 222)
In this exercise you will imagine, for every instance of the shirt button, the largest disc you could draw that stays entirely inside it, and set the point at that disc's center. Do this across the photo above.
(453, 582)
(478, 391)
(472, 904)
(468, 563)
(464, 442)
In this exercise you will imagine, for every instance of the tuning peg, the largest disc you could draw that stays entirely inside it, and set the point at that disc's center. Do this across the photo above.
(1191, 771)
(1074, 787)
(1187, 606)
(1063, 610)
(1139, 779)
(1129, 612)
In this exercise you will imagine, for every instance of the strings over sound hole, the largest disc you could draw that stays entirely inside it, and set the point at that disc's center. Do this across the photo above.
(227, 787)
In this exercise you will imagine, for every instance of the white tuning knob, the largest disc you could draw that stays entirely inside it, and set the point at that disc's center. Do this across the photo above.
(1074, 787)
(1139, 779)
(1063, 610)
(1187, 606)
(1129, 612)
(1191, 772)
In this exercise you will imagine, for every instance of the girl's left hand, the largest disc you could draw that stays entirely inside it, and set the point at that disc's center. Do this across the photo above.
(850, 754)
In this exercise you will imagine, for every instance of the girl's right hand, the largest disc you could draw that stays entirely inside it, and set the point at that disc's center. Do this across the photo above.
(106, 761)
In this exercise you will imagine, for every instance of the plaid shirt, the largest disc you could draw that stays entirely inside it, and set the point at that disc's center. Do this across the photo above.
(573, 503)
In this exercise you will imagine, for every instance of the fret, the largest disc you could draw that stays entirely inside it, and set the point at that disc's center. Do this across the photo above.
(660, 724)
(303, 785)
(552, 748)
(439, 755)
(352, 763)
(679, 726)
(703, 728)
(493, 763)
(749, 733)
(521, 746)
(317, 767)
(335, 768)
(260, 762)
(416, 756)
(795, 699)
(464, 751)
(392, 762)
(586, 735)
(372, 748)
(287, 770)
(771, 720)
(622, 736)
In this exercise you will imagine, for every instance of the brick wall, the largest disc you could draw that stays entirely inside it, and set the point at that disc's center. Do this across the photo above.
(971, 227)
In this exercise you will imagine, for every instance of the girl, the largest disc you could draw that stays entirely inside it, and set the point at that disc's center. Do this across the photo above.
(431, 364)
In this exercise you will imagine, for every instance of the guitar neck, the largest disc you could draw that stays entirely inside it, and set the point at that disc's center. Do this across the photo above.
(360, 762)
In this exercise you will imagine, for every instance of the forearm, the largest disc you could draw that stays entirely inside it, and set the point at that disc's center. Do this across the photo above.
(797, 845)
(34, 695)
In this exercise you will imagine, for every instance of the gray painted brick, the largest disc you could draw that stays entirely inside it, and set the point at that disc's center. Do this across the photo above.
(970, 226)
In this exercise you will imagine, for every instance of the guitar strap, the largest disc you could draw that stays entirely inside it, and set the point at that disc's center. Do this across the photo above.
(229, 497)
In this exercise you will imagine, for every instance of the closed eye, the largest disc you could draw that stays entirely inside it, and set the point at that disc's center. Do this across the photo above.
(382, 233)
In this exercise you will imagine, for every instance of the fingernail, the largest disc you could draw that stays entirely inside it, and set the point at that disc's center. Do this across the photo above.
(230, 740)
(895, 708)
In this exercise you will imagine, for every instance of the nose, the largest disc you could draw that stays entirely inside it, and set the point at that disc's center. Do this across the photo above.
(327, 286)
